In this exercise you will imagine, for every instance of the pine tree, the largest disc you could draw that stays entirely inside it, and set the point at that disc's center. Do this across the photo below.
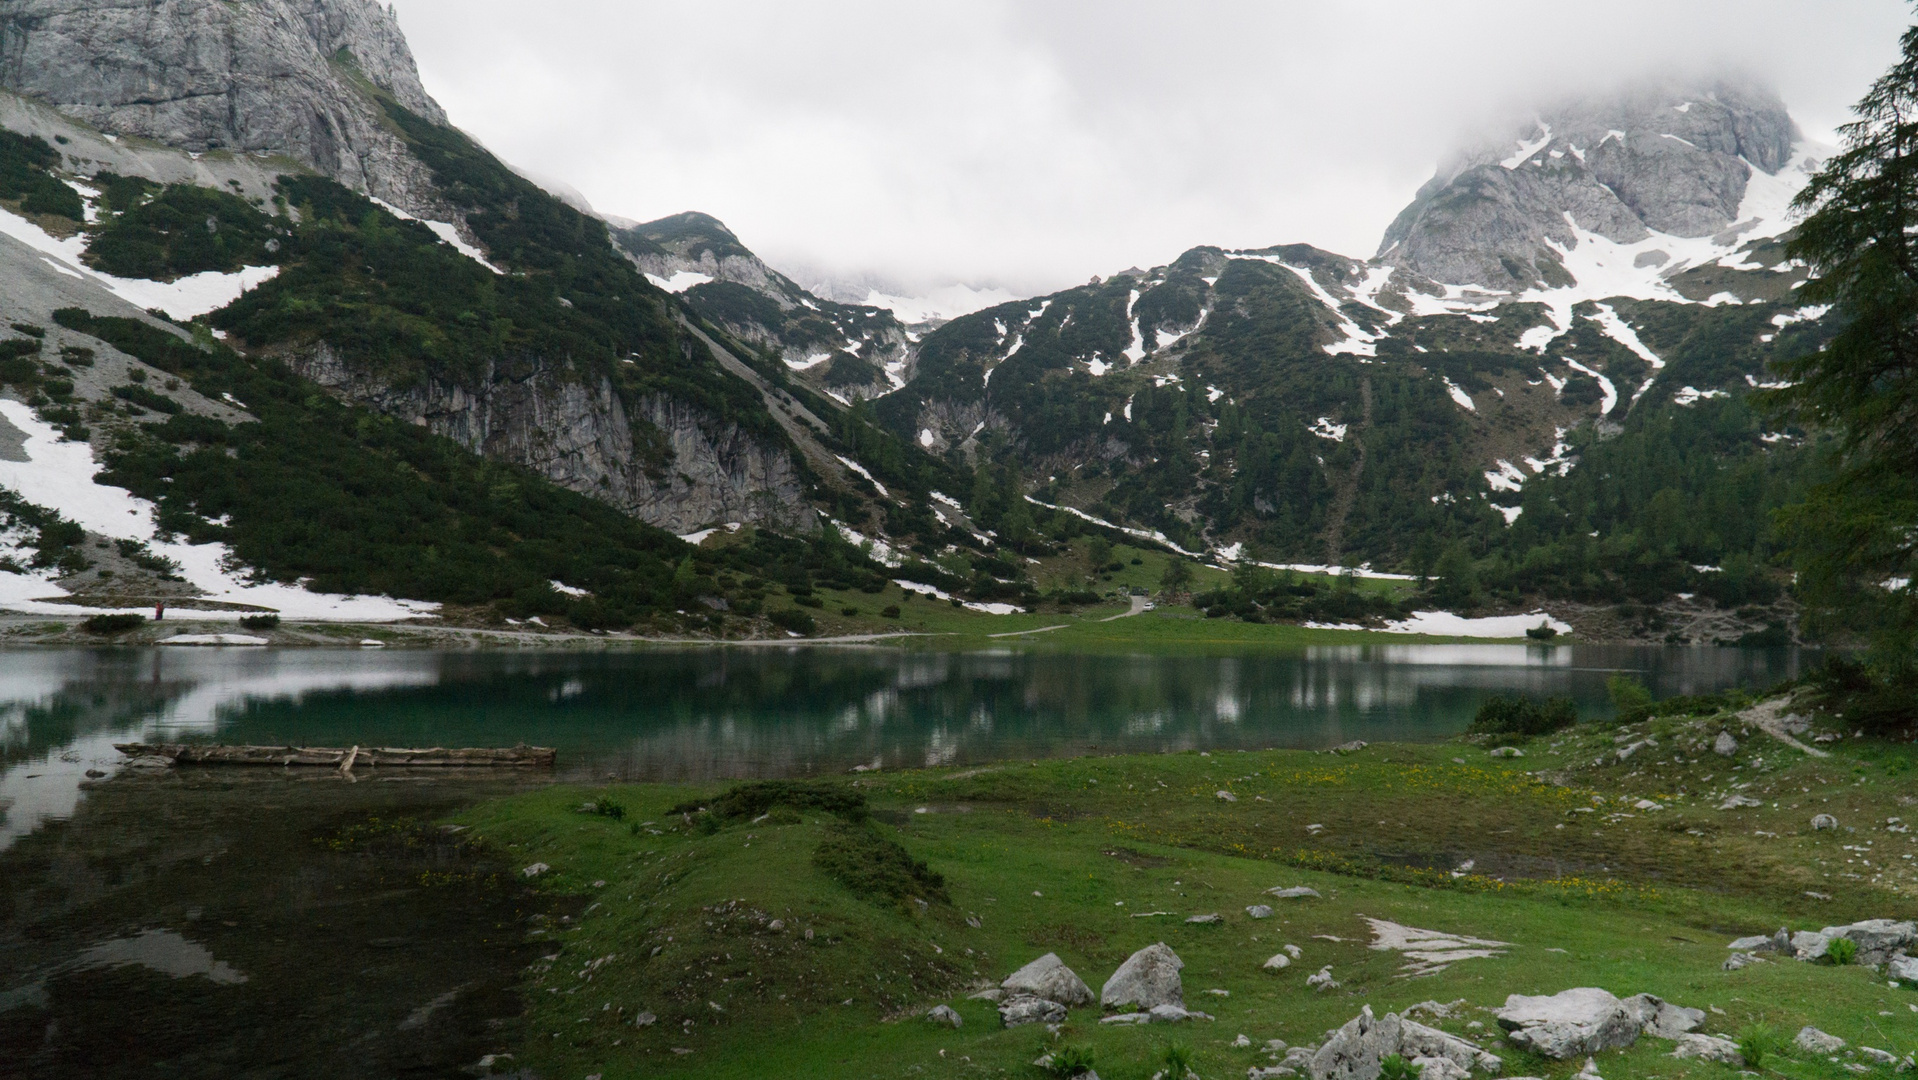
(1855, 539)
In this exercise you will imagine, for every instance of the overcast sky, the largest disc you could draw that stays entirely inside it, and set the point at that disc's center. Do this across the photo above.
(1031, 145)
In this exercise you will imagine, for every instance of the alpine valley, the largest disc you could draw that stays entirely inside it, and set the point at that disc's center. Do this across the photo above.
(284, 340)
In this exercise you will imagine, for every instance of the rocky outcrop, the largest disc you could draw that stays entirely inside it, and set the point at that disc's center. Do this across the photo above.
(1672, 159)
(273, 77)
(1572, 1023)
(657, 459)
(1355, 1050)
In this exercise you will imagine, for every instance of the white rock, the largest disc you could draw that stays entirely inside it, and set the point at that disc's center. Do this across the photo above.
(1259, 911)
(1213, 919)
(1278, 962)
(1048, 977)
(1739, 960)
(1585, 1020)
(1241, 1041)
(1148, 978)
(1710, 1048)
(1226, 796)
(1881, 1057)
(1725, 745)
(536, 869)
(1812, 1040)
(1354, 1051)
(1823, 822)
(944, 1014)
(1904, 969)
(1660, 1018)
(1296, 892)
(1809, 944)
(1323, 980)
(1739, 801)
(1015, 1011)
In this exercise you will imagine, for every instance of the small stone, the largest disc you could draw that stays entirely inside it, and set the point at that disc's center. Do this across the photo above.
(1323, 981)
(1881, 1057)
(1352, 747)
(944, 1014)
(1737, 801)
(776, 924)
(1739, 960)
(1259, 911)
(1241, 1041)
(994, 995)
(645, 1019)
(1296, 892)
(536, 869)
(1824, 822)
(1811, 1040)
(1216, 992)
(1213, 919)
(1278, 962)
(1508, 752)
(1226, 796)
(1725, 745)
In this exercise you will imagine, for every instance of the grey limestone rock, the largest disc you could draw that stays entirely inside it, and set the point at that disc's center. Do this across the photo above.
(1814, 1041)
(1354, 1051)
(1278, 961)
(1740, 960)
(1660, 1018)
(1675, 159)
(1148, 978)
(1710, 1048)
(1902, 969)
(1585, 1020)
(1213, 919)
(1048, 977)
(1259, 911)
(272, 77)
(944, 1014)
(1725, 745)
(1296, 892)
(1877, 1056)
(1823, 822)
(1877, 939)
(1015, 1011)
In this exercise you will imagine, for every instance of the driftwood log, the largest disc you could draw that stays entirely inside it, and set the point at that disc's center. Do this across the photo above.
(344, 759)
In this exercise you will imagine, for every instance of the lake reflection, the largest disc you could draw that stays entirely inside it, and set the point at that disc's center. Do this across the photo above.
(703, 713)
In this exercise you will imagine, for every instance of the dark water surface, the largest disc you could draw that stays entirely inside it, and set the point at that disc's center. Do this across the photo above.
(258, 922)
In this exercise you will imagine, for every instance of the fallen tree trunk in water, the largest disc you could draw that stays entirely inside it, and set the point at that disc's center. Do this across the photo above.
(336, 757)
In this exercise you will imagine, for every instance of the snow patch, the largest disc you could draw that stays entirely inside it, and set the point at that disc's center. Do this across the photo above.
(1508, 477)
(680, 281)
(1527, 149)
(1446, 624)
(924, 589)
(1464, 399)
(1326, 429)
(861, 470)
(1692, 395)
(1143, 534)
(927, 438)
(1134, 352)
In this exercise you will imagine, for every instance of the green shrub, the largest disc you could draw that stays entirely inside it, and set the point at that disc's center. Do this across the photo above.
(876, 868)
(25, 162)
(792, 619)
(890, 611)
(1756, 1042)
(1841, 951)
(604, 807)
(1629, 696)
(1395, 1067)
(809, 601)
(147, 398)
(1175, 1060)
(112, 624)
(260, 622)
(1502, 715)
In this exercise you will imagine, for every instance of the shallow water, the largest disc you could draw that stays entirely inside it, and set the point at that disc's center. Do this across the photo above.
(199, 922)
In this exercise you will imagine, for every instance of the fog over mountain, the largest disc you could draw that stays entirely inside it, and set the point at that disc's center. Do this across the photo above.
(1031, 146)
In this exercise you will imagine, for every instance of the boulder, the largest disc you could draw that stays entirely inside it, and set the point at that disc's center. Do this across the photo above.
(1148, 978)
(1710, 1048)
(1355, 1050)
(1823, 822)
(1660, 1018)
(1259, 911)
(1296, 892)
(1778, 942)
(1048, 977)
(1585, 1020)
(1809, 944)
(1725, 745)
(944, 1014)
(1877, 939)
(1278, 962)
(1813, 1041)
(1902, 969)
(1015, 1011)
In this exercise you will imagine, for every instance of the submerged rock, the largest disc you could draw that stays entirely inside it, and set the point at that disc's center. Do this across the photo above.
(1148, 978)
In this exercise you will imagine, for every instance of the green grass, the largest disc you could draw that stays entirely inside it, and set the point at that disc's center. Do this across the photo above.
(675, 912)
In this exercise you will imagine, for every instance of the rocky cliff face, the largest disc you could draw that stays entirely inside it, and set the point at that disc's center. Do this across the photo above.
(1673, 160)
(268, 76)
(657, 461)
